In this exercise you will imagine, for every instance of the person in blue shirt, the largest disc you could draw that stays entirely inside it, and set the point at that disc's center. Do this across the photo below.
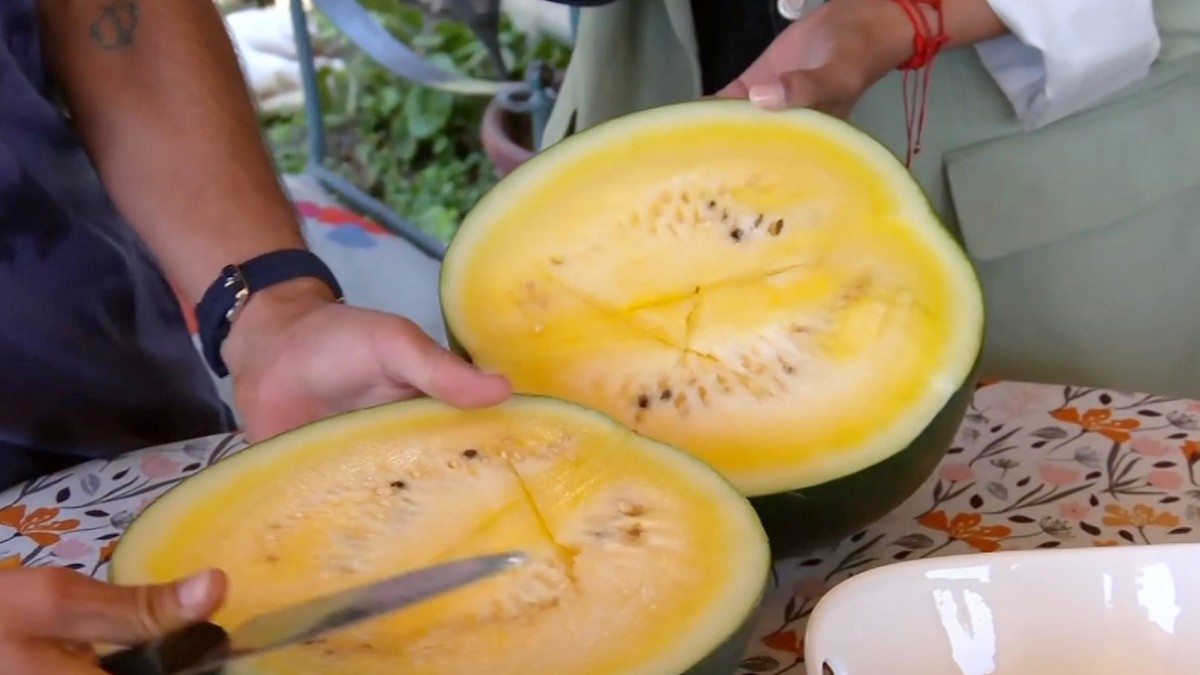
(129, 155)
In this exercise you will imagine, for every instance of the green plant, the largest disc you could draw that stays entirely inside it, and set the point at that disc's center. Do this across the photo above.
(415, 148)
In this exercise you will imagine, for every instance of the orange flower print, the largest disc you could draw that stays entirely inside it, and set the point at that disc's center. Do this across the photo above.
(11, 562)
(106, 551)
(785, 641)
(966, 527)
(1099, 420)
(40, 526)
(1141, 515)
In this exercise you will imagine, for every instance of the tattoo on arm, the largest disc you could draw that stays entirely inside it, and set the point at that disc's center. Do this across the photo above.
(114, 27)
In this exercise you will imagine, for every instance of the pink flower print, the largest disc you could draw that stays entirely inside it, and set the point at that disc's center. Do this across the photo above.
(956, 473)
(71, 549)
(1057, 474)
(158, 465)
(1150, 447)
(1164, 479)
(810, 588)
(1021, 400)
(1074, 510)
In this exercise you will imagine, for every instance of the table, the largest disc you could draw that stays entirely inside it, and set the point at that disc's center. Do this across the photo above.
(1034, 466)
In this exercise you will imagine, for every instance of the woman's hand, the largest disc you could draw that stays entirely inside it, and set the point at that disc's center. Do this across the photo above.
(50, 617)
(828, 58)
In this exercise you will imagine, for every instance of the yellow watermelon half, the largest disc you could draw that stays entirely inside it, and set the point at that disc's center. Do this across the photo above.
(768, 291)
(645, 561)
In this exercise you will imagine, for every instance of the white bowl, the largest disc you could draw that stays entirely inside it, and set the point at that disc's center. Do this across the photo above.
(1128, 610)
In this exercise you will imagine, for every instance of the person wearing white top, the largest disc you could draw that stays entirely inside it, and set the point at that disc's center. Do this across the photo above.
(1061, 146)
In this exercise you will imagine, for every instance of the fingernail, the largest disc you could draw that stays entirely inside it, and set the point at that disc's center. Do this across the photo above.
(767, 95)
(192, 592)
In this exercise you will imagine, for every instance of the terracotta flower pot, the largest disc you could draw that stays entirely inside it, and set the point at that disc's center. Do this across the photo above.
(507, 137)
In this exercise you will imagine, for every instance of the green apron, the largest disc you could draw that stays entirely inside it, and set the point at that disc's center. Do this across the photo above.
(1086, 233)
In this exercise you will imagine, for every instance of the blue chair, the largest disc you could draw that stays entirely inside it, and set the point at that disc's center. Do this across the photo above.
(532, 94)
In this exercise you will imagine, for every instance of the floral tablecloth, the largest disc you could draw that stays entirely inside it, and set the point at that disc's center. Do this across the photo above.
(1034, 466)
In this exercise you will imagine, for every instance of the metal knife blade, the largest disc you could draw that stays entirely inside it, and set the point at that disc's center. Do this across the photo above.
(306, 620)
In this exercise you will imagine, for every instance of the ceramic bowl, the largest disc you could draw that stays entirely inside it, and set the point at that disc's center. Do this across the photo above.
(1129, 610)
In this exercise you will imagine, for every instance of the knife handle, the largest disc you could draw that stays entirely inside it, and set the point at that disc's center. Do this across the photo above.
(172, 653)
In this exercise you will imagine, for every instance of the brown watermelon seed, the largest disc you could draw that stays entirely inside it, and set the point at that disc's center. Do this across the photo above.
(470, 453)
(665, 395)
(643, 401)
(398, 484)
(736, 234)
(776, 227)
(712, 203)
(758, 221)
(631, 509)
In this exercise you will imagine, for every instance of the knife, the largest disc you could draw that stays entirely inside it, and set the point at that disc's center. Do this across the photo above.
(204, 648)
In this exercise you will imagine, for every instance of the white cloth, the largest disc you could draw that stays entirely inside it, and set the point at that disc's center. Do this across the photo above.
(1063, 56)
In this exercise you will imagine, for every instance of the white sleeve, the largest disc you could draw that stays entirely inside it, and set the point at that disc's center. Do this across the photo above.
(1065, 55)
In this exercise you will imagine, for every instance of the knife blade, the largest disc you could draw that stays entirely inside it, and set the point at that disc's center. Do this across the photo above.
(204, 648)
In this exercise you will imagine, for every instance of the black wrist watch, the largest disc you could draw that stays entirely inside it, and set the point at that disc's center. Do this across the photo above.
(225, 298)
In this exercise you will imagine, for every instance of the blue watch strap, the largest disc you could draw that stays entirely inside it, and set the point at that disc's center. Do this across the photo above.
(221, 303)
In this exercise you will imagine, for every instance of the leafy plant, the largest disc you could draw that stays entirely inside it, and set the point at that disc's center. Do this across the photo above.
(415, 148)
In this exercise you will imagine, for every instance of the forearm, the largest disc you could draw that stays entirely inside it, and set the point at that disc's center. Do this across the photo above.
(156, 92)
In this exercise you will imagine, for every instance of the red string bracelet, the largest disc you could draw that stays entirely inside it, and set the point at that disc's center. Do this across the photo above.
(925, 49)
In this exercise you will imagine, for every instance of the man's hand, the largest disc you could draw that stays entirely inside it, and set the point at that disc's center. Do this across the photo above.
(296, 356)
(827, 59)
(51, 617)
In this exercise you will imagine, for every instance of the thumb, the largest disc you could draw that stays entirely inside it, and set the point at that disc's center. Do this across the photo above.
(98, 612)
(411, 357)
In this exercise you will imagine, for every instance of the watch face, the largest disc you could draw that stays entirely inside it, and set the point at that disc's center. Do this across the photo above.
(793, 9)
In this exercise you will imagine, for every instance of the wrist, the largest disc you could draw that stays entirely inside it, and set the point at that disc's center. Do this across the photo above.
(268, 313)
(887, 31)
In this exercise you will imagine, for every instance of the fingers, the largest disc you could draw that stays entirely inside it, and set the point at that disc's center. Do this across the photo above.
(410, 357)
(66, 605)
(735, 89)
(30, 656)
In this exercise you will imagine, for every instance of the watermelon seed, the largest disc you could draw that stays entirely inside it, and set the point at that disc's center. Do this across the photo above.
(643, 401)
(758, 221)
(665, 395)
(631, 509)
(776, 227)
(399, 484)
(470, 453)
(736, 234)
(712, 203)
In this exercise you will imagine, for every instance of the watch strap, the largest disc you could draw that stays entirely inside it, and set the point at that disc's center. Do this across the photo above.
(229, 293)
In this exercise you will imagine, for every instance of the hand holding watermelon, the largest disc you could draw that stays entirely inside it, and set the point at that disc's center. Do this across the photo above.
(827, 59)
(297, 357)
